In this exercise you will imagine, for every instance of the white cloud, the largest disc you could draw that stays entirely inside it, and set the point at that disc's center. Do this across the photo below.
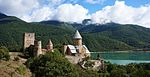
(71, 13)
(39, 14)
(34, 10)
(17, 7)
(55, 2)
(95, 1)
(64, 12)
(121, 13)
(37, 10)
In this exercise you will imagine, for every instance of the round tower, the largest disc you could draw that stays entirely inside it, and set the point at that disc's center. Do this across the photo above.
(38, 46)
(49, 45)
(77, 39)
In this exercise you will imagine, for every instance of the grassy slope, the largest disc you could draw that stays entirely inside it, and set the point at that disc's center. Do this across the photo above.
(14, 69)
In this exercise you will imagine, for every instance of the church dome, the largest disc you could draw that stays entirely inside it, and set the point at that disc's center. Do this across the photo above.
(77, 35)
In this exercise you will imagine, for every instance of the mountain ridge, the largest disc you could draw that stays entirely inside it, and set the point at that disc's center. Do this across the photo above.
(102, 37)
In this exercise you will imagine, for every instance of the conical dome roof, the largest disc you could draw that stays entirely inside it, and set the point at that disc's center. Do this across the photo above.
(49, 42)
(77, 35)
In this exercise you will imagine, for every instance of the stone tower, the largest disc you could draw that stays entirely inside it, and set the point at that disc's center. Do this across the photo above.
(49, 45)
(29, 39)
(77, 39)
(38, 48)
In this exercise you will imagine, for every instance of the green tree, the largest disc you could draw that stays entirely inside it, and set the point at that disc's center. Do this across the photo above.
(29, 52)
(118, 73)
(141, 73)
(110, 66)
(4, 53)
(52, 64)
(131, 68)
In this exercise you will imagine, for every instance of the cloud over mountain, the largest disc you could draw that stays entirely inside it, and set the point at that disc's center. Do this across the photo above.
(64, 12)
(71, 11)
(121, 13)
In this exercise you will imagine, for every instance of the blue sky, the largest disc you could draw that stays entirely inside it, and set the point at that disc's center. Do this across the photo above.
(134, 3)
(93, 7)
(99, 11)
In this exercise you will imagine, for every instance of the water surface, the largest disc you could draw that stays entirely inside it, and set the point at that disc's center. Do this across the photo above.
(123, 57)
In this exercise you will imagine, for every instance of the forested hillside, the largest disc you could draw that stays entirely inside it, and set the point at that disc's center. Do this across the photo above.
(96, 37)
(133, 35)
(12, 30)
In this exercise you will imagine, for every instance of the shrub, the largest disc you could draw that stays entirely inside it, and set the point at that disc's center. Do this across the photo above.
(4, 53)
(21, 69)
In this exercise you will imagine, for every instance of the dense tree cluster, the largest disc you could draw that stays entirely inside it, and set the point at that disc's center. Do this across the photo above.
(51, 64)
(130, 70)
(29, 51)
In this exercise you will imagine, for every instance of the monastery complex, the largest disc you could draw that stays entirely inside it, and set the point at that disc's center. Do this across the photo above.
(77, 49)
(75, 53)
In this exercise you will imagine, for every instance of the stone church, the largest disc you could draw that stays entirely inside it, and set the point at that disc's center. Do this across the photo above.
(29, 40)
(77, 49)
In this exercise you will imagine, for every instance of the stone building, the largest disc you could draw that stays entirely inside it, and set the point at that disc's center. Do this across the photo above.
(29, 39)
(77, 49)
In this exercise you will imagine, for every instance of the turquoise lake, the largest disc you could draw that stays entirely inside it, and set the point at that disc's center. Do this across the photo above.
(123, 57)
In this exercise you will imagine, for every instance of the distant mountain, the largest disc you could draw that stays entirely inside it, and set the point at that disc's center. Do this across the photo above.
(98, 37)
(7, 19)
(2, 15)
(133, 35)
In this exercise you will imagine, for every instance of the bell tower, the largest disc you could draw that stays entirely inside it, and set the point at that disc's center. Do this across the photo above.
(77, 40)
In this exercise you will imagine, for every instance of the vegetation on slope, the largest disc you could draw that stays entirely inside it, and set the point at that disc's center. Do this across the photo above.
(52, 64)
(12, 65)
(13, 69)
(133, 35)
(101, 43)
(4, 53)
(11, 34)
(97, 37)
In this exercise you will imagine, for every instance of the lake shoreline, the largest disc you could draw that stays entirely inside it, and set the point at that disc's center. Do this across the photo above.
(118, 51)
(123, 57)
(125, 62)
